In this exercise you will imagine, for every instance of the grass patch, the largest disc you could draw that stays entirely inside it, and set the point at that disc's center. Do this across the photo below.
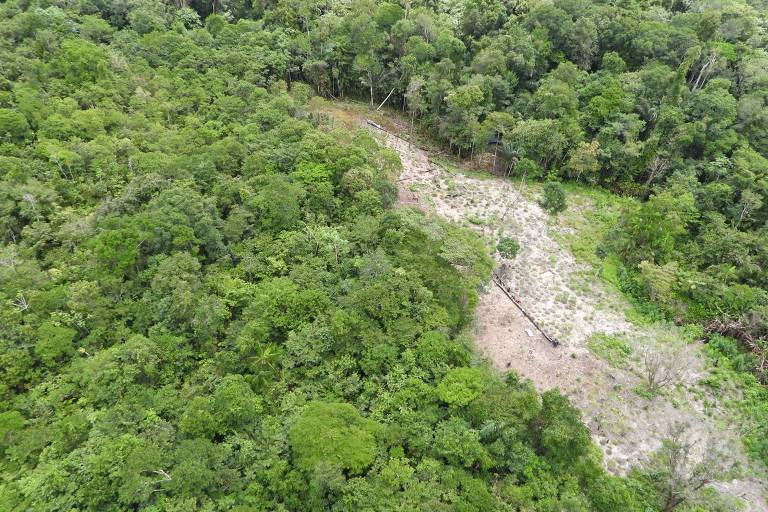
(447, 165)
(592, 214)
(610, 269)
(611, 349)
(476, 220)
(642, 390)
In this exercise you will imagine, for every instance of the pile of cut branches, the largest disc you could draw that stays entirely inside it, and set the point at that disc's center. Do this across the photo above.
(738, 331)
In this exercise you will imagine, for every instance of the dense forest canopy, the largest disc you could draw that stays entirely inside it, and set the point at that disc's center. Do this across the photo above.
(664, 101)
(208, 303)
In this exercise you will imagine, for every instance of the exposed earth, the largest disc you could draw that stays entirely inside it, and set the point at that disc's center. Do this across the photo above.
(572, 304)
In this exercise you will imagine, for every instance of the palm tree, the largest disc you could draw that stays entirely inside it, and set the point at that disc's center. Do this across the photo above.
(266, 363)
(509, 156)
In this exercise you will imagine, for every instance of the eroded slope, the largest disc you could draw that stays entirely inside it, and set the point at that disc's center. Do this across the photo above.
(572, 304)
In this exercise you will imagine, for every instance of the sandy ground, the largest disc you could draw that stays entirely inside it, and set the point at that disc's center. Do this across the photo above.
(571, 304)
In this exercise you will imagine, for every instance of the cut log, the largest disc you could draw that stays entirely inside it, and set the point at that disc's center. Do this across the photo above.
(517, 304)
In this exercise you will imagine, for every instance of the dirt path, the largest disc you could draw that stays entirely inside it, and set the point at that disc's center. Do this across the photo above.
(573, 305)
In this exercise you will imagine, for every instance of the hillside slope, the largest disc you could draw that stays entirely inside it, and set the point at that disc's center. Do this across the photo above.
(572, 304)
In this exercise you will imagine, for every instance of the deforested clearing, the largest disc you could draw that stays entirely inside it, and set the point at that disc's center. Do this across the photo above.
(572, 304)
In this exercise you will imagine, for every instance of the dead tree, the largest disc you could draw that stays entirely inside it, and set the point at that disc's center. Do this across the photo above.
(705, 70)
(663, 367)
(683, 466)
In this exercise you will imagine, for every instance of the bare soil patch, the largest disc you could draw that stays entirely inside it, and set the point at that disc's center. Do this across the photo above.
(572, 304)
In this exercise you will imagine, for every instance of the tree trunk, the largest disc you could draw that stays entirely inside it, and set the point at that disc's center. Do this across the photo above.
(370, 84)
(657, 165)
(410, 137)
(744, 212)
(385, 99)
(701, 78)
(671, 503)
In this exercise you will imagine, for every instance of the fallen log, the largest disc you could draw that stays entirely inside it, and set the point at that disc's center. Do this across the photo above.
(375, 125)
(516, 302)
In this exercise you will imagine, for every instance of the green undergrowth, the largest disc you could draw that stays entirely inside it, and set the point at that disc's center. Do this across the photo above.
(731, 381)
(614, 350)
(591, 213)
